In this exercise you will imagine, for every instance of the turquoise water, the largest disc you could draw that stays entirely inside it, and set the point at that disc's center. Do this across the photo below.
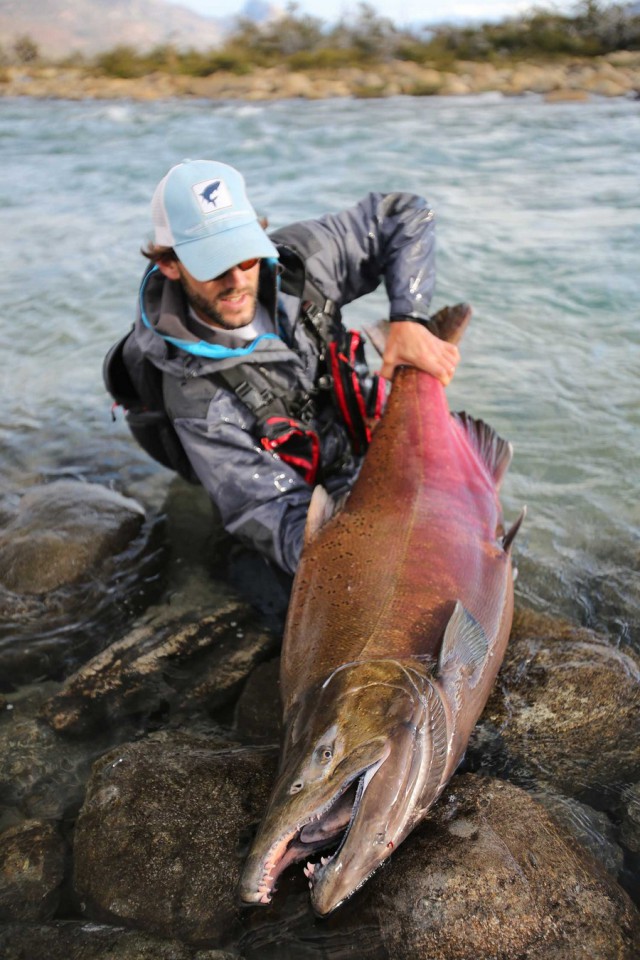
(538, 227)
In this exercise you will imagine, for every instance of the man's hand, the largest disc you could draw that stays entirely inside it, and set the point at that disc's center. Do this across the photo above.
(412, 345)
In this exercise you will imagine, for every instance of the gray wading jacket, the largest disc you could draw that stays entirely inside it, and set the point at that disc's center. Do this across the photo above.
(262, 500)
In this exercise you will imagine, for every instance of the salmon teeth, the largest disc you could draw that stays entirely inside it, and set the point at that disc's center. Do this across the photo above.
(324, 860)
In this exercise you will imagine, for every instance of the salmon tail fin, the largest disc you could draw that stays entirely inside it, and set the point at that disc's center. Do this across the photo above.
(510, 535)
(448, 324)
(495, 452)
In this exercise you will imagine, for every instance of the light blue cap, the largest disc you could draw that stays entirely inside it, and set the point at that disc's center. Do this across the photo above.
(201, 209)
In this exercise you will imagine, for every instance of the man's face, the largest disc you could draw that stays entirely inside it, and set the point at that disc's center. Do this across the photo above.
(229, 301)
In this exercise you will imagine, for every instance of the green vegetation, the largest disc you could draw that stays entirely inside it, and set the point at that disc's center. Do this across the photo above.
(301, 42)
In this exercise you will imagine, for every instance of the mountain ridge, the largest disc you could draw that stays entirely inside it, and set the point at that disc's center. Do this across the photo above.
(62, 28)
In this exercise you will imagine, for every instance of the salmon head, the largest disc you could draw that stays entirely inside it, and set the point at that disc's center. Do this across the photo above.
(360, 757)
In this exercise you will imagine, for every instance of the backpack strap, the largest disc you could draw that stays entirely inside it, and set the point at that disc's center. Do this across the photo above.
(263, 397)
(321, 315)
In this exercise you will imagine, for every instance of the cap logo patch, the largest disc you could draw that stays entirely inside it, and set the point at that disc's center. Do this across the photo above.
(212, 195)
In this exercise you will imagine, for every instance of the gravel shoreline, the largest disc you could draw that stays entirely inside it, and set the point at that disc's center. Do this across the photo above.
(616, 75)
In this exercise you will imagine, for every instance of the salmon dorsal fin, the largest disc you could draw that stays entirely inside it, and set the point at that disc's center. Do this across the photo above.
(495, 452)
(321, 508)
(464, 646)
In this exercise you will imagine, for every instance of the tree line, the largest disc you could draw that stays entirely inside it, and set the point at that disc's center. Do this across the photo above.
(300, 41)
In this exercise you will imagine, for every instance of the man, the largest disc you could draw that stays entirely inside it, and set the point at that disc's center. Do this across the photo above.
(265, 392)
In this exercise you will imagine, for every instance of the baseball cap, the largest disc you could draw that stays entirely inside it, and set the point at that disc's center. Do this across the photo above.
(200, 208)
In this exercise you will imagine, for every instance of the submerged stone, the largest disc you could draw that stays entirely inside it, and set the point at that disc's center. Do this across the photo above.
(258, 712)
(63, 530)
(566, 709)
(72, 940)
(42, 775)
(176, 664)
(631, 817)
(31, 870)
(77, 561)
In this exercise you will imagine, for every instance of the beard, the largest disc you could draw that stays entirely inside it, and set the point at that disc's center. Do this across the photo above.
(205, 306)
(208, 312)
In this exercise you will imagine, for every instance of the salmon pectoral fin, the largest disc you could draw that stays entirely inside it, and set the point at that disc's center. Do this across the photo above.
(321, 508)
(464, 651)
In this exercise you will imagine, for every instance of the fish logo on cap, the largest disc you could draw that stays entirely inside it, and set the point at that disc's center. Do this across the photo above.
(212, 195)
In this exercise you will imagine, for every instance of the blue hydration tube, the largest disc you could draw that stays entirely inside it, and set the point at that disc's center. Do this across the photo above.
(213, 351)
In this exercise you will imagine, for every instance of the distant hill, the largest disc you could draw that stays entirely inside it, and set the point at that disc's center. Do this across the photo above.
(63, 27)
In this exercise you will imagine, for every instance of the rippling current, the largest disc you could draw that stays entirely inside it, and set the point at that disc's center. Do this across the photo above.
(538, 227)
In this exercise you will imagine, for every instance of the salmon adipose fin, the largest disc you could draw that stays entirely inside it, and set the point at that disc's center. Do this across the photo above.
(510, 535)
(495, 452)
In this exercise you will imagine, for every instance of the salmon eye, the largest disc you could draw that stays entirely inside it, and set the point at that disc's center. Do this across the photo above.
(325, 754)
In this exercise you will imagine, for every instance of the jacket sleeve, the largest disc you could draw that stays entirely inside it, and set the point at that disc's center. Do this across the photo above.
(385, 237)
(262, 500)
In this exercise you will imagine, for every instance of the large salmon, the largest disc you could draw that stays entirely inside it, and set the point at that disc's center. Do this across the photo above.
(398, 622)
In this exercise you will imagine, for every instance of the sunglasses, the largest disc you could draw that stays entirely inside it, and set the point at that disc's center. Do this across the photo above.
(245, 265)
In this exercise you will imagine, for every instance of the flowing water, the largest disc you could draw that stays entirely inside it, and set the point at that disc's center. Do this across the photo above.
(538, 227)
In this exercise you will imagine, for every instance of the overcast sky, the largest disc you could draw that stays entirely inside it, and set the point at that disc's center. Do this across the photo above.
(408, 11)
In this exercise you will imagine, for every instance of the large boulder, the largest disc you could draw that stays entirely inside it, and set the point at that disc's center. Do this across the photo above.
(566, 709)
(490, 875)
(62, 531)
(76, 561)
(162, 834)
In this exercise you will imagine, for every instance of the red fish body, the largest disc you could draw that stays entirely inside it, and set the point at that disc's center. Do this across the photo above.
(399, 618)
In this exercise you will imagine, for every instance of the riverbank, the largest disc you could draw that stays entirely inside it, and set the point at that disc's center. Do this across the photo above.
(615, 75)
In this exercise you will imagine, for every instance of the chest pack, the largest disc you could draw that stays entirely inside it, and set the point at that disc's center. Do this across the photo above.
(285, 419)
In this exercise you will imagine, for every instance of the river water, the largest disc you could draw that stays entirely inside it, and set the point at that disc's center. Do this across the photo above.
(538, 227)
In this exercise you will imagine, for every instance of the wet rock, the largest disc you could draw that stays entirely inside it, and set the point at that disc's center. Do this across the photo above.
(167, 663)
(76, 563)
(42, 775)
(630, 831)
(258, 712)
(562, 694)
(92, 941)
(62, 531)
(161, 837)
(31, 870)
(592, 828)
(491, 876)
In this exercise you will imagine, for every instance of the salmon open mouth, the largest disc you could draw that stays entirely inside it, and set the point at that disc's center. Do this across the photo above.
(326, 830)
